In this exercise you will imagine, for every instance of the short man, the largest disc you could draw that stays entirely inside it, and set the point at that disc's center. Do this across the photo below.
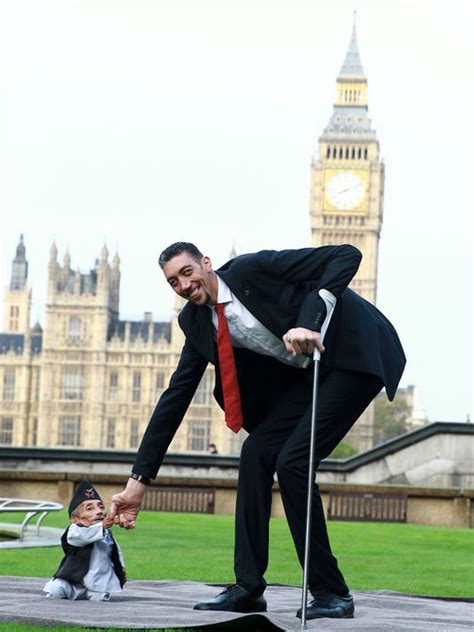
(271, 305)
(92, 567)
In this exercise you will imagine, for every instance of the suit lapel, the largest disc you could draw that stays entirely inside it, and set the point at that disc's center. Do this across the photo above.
(203, 333)
(251, 299)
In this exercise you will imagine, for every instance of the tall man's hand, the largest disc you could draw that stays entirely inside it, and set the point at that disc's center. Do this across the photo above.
(300, 340)
(126, 505)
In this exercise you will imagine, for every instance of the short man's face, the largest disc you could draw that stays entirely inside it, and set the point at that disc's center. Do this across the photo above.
(90, 512)
(194, 280)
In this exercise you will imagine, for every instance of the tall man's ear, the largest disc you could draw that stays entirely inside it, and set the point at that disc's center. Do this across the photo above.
(206, 263)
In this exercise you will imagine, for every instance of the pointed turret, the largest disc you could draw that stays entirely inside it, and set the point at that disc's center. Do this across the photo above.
(67, 260)
(352, 64)
(53, 252)
(17, 303)
(104, 254)
(350, 119)
(19, 267)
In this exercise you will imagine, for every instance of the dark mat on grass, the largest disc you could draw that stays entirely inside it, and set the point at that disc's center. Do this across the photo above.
(169, 604)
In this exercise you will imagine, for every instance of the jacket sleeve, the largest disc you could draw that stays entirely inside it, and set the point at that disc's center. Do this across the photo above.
(169, 411)
(329, 267)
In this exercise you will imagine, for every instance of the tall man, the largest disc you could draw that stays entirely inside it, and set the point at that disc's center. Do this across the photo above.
(269, 302)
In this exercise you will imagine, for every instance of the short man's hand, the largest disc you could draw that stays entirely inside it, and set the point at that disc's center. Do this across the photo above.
(126, 505)
(301, 340)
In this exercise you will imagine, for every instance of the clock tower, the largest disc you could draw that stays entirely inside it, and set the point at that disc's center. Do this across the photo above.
(347, 175)
(347, 182)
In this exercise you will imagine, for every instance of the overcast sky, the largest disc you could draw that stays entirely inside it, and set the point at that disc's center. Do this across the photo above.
(141, 123)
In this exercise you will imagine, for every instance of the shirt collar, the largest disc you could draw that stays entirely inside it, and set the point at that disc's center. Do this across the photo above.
(224, 295)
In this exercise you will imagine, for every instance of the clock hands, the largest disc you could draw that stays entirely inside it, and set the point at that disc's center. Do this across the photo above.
(356, 186)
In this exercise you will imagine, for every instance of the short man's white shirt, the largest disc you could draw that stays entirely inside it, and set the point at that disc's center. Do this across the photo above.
(247, 332)
(101, 576)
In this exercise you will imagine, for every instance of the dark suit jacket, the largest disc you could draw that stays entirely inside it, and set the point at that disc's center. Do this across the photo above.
(280, 288)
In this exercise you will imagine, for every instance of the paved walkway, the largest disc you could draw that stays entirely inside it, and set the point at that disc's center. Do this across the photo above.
(161, 604)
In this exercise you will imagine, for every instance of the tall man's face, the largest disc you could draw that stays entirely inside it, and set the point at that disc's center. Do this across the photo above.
(193, 279)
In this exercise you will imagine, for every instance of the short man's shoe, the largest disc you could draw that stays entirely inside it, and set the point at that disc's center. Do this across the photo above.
(234, 599)
(326, 604)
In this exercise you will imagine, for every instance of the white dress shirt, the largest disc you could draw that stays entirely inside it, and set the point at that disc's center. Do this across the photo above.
(247, 332)
(101, 576)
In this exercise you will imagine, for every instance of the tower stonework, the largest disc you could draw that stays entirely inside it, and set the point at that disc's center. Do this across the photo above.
(17, 304)
(347, 176)
(346, 191)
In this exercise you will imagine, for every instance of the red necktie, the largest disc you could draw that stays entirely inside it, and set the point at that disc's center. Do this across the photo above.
(230, 385)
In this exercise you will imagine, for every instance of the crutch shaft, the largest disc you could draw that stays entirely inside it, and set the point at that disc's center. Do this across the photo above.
(309, 507)
(330, 302)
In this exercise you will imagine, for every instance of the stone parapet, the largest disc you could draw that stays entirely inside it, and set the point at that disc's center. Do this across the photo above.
(447, 507)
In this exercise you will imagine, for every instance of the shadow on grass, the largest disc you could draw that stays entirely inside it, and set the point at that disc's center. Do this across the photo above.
(249, 623)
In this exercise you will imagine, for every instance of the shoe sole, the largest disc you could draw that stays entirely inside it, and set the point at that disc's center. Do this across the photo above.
(326, 616)
(228, 610)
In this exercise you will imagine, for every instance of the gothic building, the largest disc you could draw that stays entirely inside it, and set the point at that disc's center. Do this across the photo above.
(89, 379)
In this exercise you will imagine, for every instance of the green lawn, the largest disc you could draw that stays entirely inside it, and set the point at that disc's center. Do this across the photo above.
(406, 558)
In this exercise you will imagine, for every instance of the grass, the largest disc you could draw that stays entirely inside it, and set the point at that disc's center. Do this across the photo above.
(406, 558)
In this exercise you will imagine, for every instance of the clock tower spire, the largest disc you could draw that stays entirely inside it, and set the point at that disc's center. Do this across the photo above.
(347, 175)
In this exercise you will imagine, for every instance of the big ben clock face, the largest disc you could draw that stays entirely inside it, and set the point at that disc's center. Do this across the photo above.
(345, 191)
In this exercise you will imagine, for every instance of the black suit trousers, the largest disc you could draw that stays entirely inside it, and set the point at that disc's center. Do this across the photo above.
(279, 443)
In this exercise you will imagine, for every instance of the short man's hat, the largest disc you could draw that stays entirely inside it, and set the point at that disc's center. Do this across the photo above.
(85, 491)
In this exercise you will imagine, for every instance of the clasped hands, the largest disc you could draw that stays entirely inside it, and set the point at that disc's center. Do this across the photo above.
(300, 340)
(126, 505)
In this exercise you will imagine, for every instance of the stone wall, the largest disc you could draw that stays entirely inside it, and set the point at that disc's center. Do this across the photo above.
(447, 507)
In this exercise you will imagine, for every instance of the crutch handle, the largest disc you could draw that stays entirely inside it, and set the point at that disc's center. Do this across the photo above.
(330, 302)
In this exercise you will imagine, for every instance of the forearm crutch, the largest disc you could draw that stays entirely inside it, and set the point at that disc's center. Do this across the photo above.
(330, 302)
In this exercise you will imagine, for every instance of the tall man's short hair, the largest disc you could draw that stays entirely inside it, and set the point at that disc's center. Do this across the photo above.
(176, 249)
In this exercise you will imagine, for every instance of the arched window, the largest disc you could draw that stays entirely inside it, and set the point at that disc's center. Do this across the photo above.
(69, 431)
(365, 153)
(9, 385)
(74, 328)
(328, 152)
(160, 383)
(136, 387)
(113, 386)
(134, 438)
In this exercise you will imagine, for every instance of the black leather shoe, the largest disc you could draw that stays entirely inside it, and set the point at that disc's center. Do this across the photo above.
(234, 599)
(325, 604)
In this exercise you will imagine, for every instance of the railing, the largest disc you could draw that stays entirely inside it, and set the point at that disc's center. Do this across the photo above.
(367, 507)
(186, 499)
(39, 508)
